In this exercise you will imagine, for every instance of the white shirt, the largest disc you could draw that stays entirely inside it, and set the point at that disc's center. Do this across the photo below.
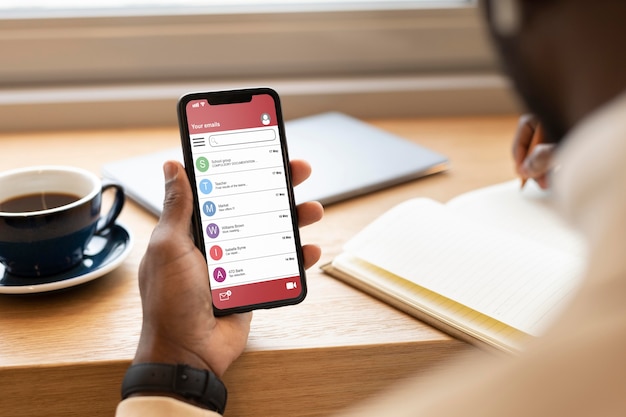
(579, 367)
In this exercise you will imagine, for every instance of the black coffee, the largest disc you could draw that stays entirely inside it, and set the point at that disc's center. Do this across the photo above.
(36, 202)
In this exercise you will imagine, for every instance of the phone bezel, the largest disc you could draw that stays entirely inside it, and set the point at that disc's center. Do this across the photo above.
(232, 97)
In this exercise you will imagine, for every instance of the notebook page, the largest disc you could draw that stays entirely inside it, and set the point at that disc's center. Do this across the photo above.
(441, 308)
(505, 206)
(510, 278)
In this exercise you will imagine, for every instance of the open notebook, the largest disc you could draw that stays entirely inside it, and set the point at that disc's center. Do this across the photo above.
(349, 158)
(493, 266)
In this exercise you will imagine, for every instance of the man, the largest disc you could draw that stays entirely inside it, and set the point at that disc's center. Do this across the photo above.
(566, 60)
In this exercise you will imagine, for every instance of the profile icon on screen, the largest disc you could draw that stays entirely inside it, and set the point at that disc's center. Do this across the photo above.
(265, 119)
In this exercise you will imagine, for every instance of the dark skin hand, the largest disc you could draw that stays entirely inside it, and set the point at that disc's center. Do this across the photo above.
(531, 155)
(178, 321)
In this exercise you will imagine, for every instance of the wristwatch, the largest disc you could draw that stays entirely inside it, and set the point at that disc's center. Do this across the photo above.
(198, 385)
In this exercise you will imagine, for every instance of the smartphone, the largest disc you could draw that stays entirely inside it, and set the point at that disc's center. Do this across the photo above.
(244, 221)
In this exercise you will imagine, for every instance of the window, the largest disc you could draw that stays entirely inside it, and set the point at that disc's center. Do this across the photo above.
(98, 59)
(45, 8)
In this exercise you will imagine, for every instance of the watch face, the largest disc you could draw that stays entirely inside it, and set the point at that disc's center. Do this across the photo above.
(201, 386)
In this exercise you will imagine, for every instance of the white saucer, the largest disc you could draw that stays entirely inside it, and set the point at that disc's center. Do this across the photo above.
(104, 253)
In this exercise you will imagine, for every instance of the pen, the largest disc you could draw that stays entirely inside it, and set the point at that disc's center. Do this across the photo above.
(536, 139)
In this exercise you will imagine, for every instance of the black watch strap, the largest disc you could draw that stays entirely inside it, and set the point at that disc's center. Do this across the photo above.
(201, 386)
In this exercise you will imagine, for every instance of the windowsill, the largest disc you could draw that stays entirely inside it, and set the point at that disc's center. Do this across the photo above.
(154, 104)
(123, 71)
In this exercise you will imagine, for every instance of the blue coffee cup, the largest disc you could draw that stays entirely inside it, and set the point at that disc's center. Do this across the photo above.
(48, 214)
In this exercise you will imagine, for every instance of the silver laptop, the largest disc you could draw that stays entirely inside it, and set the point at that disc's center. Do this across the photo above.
(348, 157)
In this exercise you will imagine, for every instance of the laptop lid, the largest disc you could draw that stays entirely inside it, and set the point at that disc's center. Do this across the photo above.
(349, 158)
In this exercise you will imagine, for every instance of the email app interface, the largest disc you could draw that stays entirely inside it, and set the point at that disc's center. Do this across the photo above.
(244, 202)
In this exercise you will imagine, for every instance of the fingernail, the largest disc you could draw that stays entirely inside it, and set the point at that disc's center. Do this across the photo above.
(170, 171)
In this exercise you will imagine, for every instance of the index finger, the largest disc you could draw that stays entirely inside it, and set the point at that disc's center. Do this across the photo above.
(526, 129)
(300, 171)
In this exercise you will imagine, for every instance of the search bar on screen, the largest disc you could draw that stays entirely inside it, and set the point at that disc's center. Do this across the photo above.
(241, 138)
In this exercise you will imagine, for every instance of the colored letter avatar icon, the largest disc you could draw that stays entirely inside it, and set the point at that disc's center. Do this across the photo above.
(206, 186)
(212, 230)
(216, 253)
(219, 274)
(208, 208)
(202, 164)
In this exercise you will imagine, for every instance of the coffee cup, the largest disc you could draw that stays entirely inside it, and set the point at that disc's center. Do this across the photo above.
(48, 214)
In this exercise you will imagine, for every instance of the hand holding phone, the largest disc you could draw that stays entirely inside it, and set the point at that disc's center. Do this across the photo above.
(245, 222)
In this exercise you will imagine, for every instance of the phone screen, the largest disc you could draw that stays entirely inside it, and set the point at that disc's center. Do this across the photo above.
(245, 219)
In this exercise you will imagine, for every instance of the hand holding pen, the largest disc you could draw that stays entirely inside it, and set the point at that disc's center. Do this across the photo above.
(531, 155)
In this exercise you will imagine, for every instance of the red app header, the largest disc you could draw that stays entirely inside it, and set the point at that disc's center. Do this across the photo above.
(203, 117)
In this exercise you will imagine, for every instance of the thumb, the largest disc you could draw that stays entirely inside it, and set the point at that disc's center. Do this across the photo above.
(178, 201)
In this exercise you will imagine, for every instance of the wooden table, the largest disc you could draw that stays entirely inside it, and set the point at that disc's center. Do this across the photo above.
(64, 353)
